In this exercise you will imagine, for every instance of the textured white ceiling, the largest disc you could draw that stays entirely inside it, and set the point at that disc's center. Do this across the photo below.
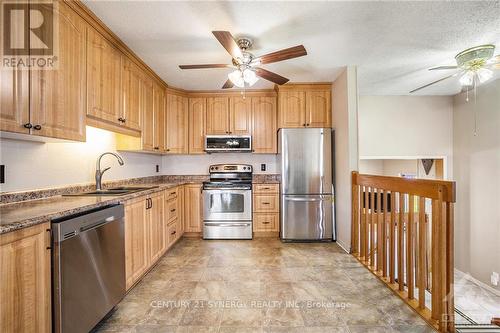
(392, 43)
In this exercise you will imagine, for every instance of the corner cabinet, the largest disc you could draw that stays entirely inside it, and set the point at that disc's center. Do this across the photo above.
(176, 125)
(25, 299)
(304, 105)
(197, 121)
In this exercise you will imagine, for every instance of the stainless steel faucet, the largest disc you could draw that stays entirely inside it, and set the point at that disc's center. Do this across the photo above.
(99, 173)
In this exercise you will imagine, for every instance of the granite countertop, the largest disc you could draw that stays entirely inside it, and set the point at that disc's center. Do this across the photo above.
(22, 214)
(19, 215)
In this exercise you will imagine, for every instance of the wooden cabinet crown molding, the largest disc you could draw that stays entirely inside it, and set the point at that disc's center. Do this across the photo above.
(303, 86)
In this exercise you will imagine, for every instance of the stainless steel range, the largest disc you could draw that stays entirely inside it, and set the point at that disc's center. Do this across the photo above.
(227, 202)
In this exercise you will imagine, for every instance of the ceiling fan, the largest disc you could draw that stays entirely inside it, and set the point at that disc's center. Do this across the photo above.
(246, 71)
(475, 66)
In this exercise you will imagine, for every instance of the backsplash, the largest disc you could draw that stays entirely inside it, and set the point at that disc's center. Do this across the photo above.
(9, 197)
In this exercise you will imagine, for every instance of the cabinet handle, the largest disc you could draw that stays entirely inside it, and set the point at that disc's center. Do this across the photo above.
(120, 119)
(37, 127)
(124, 120)
(304, 125)
(172, 210)
(266, 203)
(150, 203)
(173, 233)
(157, 148)
(28, 125)
(49, 247)
(173, 193)
(267, 222)
(266, 188)
(308, 124)
(168, 149)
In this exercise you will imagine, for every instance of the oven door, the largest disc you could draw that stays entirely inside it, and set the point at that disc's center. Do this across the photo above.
(227, 205)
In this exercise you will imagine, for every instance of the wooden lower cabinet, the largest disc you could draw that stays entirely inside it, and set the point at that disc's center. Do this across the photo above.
(136, 240)
(266, 210)
(192, 208)
(156, 220)
(25, 299)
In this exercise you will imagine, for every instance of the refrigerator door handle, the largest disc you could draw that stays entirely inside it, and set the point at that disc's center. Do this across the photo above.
(308, 199)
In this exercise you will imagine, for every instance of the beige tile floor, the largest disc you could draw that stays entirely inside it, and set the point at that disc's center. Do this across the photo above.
(262, 285)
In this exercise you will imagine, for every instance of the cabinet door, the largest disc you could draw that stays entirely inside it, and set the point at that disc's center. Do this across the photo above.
(14, 111)
(136, 240)
(318, 108)
(157, 224)
(132, 108)
(25, 299)
(292, 109)
(14, 96)
(180, 215)
(177, 124)
(57, 100)
(103, 78)
(264, 134)
(197, 111)
(217, 115)
(192, 208)
(147, 114)
(158, 118)
(240, 115)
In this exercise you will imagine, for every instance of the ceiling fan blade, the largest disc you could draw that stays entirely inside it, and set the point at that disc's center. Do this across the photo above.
(270, 76)
(285, 54)
(228, 84)
(434, 82)
(204, 66)
(442, 68)
(228, 42)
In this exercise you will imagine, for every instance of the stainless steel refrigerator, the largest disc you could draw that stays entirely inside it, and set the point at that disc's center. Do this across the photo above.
(307, 190)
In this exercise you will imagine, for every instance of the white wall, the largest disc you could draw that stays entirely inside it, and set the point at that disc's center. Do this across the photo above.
(198, 164)
(406, 126)
(345, 123)
(36, 165)
(477, 173)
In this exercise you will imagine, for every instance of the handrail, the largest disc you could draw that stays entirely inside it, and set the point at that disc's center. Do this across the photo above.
(393, 236)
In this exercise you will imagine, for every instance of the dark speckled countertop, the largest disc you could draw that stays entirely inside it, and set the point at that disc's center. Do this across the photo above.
(22, 214)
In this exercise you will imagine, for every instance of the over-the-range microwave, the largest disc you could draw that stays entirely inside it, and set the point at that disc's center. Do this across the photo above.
(228, 143)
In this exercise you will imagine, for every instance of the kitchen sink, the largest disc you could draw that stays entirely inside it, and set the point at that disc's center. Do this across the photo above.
(115, 191)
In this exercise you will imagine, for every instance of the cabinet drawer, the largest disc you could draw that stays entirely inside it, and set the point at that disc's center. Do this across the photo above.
(266, 188)
(171, 193)
(172, 233)
(265, 221)
(263, 203)
(171, 209)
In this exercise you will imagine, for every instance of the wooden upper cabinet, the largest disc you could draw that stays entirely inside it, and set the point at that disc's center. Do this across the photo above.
(158, 118)
(57, 101)
(104, 70)
(292, 109)
(217, 121)
(318, 108)
(148, 132)
(14, 101)
(25, 298)
(197, 110)
(240, 115)
(305, 105)
(14, 93)
(177, 124)
(131, 94)
(264, 117)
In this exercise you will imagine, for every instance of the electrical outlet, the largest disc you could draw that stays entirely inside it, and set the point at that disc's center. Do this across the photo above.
(495, 277)
(157, 168)
(263, 167)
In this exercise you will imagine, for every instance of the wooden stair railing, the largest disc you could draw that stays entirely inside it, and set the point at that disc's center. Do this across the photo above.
(394, 238)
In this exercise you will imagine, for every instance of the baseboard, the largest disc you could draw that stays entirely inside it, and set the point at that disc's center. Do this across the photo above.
(266, 234)
(192, 234)
(343, 246)
(477, 282)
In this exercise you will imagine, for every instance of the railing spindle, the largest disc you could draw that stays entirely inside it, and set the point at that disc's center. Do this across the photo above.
(401, 279)
(379, 215)
(422, 253)
(384, 234)
(372, 227)
(392, 239)
(409, 247)
(364, 232)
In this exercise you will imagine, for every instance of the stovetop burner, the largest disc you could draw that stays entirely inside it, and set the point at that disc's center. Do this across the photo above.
(229, 176)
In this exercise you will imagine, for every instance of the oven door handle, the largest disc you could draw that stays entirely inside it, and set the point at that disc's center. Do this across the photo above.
(215, 224)
(228, 189)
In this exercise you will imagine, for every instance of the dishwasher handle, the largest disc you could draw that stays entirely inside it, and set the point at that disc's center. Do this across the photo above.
(70, 226)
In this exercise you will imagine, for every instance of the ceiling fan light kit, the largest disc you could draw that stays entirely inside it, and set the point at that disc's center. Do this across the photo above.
(247, 72)
(475, 65)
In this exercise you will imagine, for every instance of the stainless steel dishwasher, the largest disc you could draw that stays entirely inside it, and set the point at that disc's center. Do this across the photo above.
(88, 267)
